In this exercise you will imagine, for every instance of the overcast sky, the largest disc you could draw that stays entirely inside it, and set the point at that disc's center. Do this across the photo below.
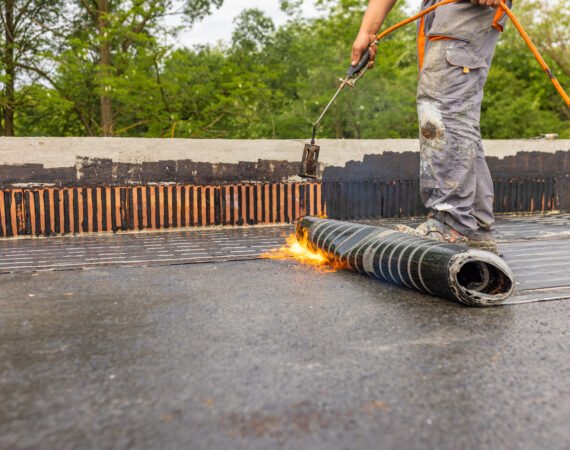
(219, 25)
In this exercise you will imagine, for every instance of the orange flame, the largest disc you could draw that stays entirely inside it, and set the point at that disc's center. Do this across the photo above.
(293, 249)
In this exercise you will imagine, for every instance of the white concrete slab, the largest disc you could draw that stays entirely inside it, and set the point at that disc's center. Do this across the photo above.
(62, 152)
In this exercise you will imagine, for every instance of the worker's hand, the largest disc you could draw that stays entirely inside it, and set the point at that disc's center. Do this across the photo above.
(491, 3)
(362, 42)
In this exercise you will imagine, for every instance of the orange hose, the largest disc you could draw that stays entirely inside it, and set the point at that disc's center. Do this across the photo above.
(536, 53)
(517, 25)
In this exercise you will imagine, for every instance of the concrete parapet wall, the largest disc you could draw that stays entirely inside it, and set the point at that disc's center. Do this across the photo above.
(92, 161)
(62, 152)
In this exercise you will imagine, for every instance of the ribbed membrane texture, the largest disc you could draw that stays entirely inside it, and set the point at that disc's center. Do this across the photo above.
(454, 272)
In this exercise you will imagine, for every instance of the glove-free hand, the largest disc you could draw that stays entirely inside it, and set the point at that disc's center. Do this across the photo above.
(361, 44)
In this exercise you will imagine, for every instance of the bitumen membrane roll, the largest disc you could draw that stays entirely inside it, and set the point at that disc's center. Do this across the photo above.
(455, 272)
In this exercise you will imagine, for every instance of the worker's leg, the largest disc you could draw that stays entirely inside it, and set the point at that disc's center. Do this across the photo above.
(455, 181)
(484, 194)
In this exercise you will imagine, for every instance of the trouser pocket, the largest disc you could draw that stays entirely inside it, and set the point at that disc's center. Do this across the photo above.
(452, 70)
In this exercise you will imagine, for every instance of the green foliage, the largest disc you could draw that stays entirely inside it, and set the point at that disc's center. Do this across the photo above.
(196, 10)
(26, 32)
(253, 30)
(291, 7)
(45, 113)
(519, 99)
(273, 82)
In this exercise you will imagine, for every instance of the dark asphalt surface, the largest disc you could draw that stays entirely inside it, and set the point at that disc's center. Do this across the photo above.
(270, 354)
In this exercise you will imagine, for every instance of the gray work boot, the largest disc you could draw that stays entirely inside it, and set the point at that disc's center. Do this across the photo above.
(438, 231)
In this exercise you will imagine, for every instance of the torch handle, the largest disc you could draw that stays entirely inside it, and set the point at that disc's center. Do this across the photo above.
(364, 60)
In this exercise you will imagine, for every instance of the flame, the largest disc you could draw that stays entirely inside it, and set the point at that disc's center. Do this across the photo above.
(293, 249)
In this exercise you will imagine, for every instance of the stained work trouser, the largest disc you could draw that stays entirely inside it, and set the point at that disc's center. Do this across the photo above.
(456, 43)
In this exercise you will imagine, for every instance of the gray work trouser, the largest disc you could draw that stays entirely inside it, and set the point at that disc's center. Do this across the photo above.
(457, 42)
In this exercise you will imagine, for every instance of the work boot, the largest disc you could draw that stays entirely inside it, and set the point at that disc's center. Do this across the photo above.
(438, 231)
(404, 229)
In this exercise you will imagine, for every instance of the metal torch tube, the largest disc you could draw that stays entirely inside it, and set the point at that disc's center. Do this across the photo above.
(472, 277)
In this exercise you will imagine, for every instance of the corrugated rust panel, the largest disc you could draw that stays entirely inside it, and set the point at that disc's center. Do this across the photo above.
(51, 211)
(3, 232)
(13, 213)
(123, 203)
(346, 200)
(179, 208)
(80, 218)
(30, 212)
(18, 202)
(525, 195)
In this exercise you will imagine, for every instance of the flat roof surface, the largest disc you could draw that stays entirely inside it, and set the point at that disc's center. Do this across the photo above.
(536, 247)
(143, 350)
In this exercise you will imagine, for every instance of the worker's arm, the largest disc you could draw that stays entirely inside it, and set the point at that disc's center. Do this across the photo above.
(373, 19)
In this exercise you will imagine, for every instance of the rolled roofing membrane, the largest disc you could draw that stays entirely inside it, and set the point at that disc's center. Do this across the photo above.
(456, 272)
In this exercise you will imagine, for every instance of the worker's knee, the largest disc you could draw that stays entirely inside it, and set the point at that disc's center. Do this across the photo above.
(432, 127)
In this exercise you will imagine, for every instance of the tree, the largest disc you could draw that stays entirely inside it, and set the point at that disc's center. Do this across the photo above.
(291, 7)
(101, 41)
(253, 30)
(118, 26)
(519, 99)
(27, 29)
(268, 82)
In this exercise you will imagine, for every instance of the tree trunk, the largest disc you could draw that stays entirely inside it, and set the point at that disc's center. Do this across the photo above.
(10, 69)
(104, 69)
